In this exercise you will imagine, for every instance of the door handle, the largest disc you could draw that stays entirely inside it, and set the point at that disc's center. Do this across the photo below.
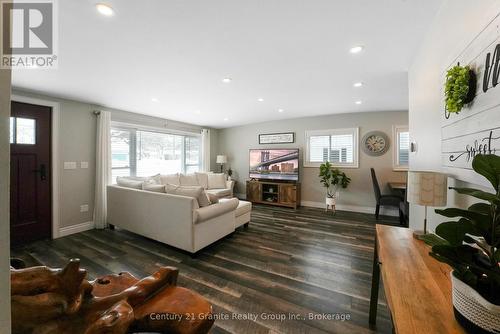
(42, 171)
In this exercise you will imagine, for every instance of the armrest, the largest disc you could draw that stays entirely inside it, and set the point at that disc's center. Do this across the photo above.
(230, 185)
(216, 210)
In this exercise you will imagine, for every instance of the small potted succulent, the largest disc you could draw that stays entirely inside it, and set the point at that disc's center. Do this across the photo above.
(332, 179)
(460, 88)
(471, 246)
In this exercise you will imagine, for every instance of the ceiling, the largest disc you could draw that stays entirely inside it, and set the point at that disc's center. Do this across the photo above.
(292, 53)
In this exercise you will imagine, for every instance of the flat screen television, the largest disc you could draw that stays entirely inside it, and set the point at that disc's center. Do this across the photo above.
(274, 164)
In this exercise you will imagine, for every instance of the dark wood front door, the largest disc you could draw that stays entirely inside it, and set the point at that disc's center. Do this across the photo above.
(30, 173)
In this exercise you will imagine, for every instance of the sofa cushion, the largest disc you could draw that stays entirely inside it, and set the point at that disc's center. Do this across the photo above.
(215, 210)
(129, 183)
(216, 181)
(188, 180)
(219, 192)
(170, 179)
(212, 198)
(158, 188)
(190, 191)
(202, 179)
(243, 208)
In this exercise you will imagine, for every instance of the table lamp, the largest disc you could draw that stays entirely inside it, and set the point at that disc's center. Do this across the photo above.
(221, 159)
(427, 189)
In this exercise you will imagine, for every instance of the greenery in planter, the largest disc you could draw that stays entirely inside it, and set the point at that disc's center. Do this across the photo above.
(459, 81)
(229, 172)
(332, 178)
(471, 244)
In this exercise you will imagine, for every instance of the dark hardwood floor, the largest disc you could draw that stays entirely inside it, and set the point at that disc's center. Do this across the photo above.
(287, 262)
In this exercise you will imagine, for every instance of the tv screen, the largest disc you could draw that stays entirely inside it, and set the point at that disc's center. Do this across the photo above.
(274, 164)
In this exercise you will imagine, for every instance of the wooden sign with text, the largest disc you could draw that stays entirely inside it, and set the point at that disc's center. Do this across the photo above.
(476, 129)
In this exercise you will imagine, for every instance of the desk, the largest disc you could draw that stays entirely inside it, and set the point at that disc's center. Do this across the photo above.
(417, 286)
(400, 186)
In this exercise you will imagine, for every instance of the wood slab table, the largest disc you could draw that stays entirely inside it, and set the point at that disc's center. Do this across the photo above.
(417, 286)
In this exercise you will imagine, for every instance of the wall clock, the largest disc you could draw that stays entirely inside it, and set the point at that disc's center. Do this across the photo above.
(375, 143)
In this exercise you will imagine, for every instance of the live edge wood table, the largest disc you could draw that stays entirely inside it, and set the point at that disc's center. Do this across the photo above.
(417, 286)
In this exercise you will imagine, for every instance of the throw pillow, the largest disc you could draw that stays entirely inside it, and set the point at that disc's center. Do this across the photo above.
(170, 179)
(157, 188)
(190, 191)
(189, 180)
(202, 179)
(216, 181)
(213, 198)
(128, 183)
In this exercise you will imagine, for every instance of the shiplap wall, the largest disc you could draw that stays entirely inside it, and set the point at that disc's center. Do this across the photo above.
(476, 129)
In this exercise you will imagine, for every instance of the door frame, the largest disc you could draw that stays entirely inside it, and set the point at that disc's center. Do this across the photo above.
(56, 114)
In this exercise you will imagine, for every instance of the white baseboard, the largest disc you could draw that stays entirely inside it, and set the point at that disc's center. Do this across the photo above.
(64, 231)
(344, 207)
(353, 208)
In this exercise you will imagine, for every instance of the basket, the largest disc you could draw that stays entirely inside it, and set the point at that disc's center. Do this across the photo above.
(472, 311)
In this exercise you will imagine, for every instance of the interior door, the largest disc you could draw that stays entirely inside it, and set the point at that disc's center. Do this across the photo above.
(30, 173)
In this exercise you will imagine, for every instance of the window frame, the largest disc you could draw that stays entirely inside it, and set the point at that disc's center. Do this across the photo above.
(396, 130)
(133, 129)
(333, 132)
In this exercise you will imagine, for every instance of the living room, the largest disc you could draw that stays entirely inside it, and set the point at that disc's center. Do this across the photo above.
(249, 167)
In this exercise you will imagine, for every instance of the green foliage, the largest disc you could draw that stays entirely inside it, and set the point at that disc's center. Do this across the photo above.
(332, 178)
(456, 88)
(471, 244)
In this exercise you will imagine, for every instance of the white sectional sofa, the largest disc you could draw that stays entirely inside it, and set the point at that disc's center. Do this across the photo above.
(173, 219)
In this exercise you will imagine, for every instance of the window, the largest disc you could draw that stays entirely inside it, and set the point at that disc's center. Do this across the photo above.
(143, 153)
(401, 147)
(338, 146)
(22, 131)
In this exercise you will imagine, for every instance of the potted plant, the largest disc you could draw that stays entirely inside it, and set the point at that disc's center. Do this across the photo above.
(460, 87)
(471, 248)
(332, 179)
(229, 174)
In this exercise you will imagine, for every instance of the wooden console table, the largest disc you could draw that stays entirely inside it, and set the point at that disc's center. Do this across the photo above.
(274, 193)
(417, 286)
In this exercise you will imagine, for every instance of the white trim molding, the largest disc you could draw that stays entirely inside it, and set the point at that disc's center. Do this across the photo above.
(56, 116)
(68, 230)
(353, 208)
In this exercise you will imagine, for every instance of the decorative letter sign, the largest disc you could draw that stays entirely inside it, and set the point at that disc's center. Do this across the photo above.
(476, 129)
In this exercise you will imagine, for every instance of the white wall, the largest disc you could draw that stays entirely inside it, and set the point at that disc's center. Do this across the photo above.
(4, 201)
(456, 23)
(235, 143)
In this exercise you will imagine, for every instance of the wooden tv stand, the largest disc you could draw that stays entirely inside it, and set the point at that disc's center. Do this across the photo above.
(274, 193)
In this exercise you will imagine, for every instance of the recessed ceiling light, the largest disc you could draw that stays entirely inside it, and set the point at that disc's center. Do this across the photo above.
(358, 102)
(280, 110)
(358, 84)
(154, 99)
(226, 119)
(356, 49)
(104, 9)
(227, 80)
(260, 99)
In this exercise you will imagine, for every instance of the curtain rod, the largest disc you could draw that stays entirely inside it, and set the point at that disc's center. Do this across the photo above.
(96, 112)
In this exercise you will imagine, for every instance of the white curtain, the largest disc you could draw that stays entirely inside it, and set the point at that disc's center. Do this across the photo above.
(205, 144)
(103, 168)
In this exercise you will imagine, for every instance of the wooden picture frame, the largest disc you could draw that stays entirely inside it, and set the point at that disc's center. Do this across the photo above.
(277, 138)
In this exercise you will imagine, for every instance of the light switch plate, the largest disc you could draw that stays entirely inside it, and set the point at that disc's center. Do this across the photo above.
(84, 164)
(69, 165)
(84, 208)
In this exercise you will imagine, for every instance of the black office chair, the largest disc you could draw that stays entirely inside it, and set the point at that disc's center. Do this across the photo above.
(384, 200)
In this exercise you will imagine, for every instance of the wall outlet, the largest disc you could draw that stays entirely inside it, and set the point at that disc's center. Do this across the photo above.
(84, 208)
(84, 164)
(69, 165)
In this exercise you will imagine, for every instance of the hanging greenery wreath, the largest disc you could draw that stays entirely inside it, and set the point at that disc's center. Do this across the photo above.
(460, 87)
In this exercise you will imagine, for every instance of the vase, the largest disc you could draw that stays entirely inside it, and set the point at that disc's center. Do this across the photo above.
(472, 311)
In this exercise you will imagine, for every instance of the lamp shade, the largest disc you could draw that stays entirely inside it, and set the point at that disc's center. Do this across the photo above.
(427, 188)
(221, 159)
